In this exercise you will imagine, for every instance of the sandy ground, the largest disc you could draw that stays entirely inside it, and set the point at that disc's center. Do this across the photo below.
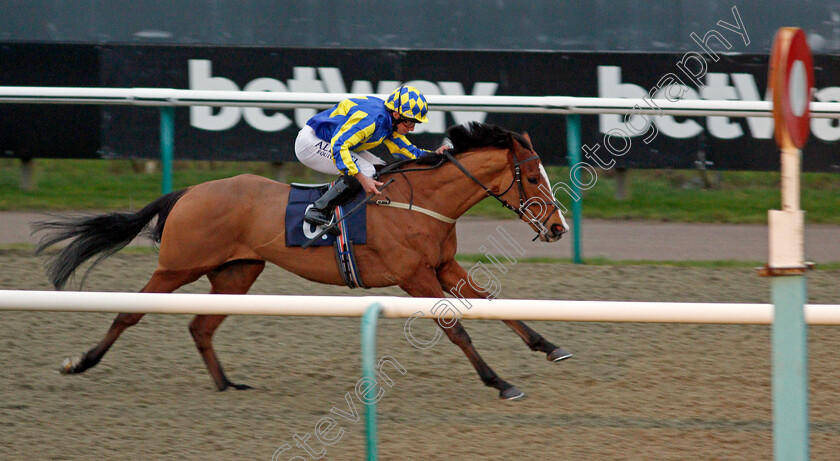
(632, 391)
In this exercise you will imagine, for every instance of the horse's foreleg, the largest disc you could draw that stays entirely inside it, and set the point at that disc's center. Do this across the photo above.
(536, 342)
(454, 278)
(458, 335)
(232, 278)
(161, 282)
(425, 284)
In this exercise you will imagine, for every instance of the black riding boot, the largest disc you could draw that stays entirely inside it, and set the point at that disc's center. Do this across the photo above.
(344, 189)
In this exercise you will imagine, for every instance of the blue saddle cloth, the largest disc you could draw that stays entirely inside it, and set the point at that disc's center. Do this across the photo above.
(299, 232)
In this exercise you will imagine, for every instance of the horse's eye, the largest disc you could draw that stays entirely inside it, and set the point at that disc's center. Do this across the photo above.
(533, 180)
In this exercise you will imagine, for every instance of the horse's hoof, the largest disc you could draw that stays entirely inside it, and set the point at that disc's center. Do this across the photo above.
(511, 393)
(558, 354)
(66, 367)
(238, 387)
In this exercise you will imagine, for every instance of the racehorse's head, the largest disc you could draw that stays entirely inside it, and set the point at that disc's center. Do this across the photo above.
(532, 191)
(528, 193)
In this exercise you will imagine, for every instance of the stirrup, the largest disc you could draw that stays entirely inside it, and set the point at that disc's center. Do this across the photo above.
(334, 231)
(318, 219)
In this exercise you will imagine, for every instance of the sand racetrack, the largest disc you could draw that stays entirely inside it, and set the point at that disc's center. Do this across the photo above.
(632, 391)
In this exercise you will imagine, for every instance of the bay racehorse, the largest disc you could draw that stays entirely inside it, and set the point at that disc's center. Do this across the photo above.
(227, 229)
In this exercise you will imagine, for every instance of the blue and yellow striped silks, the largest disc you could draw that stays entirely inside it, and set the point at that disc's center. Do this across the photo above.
(357, 125)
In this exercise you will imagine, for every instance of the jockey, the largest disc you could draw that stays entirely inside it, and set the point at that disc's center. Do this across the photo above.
(337, 140)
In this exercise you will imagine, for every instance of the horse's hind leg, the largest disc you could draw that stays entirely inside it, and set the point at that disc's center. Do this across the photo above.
(232, 278)
(453, 277)
(161, 282)
(425, 284)
(95, 354)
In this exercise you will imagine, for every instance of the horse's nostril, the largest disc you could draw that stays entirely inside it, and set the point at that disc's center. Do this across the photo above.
(557, 229)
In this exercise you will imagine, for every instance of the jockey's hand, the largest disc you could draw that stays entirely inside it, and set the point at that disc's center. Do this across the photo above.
(443, 148)
(369, 184)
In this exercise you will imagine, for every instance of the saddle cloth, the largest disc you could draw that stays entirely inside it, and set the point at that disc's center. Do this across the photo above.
(352, 229)
(299, 232)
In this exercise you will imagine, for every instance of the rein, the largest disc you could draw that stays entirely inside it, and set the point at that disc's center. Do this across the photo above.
(517, 179)
(395, 167)
(410, 206)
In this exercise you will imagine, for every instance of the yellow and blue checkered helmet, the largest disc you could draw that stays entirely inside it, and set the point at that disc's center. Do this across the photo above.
(408, 102)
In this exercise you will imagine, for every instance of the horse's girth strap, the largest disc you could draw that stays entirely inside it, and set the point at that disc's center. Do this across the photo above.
(425, 211)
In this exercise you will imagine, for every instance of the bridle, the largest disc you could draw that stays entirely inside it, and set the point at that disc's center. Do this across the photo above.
(517, 179)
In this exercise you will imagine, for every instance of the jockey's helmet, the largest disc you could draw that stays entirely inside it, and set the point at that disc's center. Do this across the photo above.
(409, 102)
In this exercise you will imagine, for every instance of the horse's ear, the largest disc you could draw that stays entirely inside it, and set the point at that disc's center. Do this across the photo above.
(530, 145)
(513, 143)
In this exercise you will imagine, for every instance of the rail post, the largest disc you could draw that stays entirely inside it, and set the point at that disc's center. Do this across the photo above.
(790, 369)
(791, 80)
(167, 146)
(573, 148)
(368, 365)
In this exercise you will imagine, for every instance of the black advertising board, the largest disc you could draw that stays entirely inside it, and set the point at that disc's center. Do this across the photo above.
(268, 135)
(64, 131)
(255, 134)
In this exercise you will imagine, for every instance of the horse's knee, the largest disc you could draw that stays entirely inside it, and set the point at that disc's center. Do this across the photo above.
(199, 334)
(127, 320)
(462, 337)
(457, 334)
(202, 328)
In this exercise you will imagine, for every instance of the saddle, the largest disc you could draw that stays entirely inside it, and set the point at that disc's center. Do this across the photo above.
(351, 230)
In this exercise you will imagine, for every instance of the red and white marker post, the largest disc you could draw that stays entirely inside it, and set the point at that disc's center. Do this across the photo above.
(791, 81)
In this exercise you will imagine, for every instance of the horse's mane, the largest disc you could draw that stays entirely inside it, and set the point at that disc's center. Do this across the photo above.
(475, 135)
(466, 137)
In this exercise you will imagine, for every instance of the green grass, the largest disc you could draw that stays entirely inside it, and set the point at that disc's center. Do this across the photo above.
(115, 184)
(675, 195)
(663, 195)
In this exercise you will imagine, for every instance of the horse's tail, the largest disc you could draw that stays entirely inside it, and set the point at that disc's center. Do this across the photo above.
(101, 235)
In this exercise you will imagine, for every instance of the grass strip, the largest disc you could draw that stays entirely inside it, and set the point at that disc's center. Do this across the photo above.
(659, 195)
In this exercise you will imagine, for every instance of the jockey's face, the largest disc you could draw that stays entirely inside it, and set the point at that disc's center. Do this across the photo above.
(404, 127)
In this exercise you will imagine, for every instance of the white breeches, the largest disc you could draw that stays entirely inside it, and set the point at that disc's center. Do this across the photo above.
(316, 154)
